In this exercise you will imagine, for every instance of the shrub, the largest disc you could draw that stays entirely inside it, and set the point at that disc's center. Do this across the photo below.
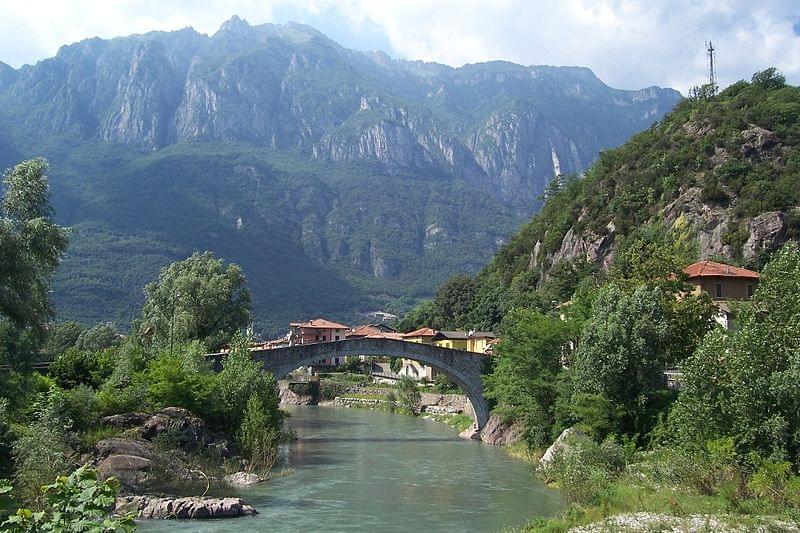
(78, 502)
(408, 395)
(6, 440)
(40, 454)
(240, 379)
(82, 407)
(328, 390)
(181, 379)
(584, 469)
(258, 435)
(75, 367)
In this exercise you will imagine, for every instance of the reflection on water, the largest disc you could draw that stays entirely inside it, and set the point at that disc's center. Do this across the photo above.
(357, 469)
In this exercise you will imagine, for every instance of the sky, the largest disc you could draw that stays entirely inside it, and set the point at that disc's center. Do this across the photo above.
(629, 44)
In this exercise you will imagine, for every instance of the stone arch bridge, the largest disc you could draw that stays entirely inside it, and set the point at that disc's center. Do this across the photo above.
(462, 366)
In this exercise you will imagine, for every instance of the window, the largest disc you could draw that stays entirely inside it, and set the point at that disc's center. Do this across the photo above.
(324, 338)
(337, 337)
(749, 290)
(316, 338)
(718, 290)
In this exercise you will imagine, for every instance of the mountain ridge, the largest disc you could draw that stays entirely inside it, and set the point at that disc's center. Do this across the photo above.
(358, 163)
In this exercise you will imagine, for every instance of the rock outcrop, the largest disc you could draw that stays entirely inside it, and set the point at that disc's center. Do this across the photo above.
(560, 444)
(182, 508)
(498, 432)
(188, 430)
(130, 460)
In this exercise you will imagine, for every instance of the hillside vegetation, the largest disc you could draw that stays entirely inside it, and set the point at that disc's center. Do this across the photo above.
(720, 174)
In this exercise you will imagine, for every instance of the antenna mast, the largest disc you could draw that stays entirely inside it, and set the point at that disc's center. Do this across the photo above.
(712, 77)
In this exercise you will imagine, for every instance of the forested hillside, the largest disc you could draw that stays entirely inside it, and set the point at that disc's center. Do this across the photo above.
(720, 174)
(342, 181)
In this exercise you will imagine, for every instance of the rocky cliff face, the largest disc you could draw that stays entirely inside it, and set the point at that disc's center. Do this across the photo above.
(721, 232)
(505, 128)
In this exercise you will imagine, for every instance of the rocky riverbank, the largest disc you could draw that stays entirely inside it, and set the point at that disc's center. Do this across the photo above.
(158, 453)
(182, 508)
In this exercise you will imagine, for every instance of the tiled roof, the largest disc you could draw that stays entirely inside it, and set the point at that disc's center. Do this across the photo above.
(364, 331)
(321, 323)
(421, 332)
(386, 335)
(466, 335)
(711, 269)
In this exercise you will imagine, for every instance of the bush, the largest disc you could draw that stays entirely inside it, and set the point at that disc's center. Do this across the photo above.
(259, 435)
(328, 390)
(78, 502)
(181, 379)
(77, 367)
(583, 469)
(97, 338)
(408, 395)
(6, 440)
(40, 454)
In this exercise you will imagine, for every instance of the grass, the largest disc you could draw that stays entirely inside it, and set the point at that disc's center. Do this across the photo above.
(90, 437)
(634, 492)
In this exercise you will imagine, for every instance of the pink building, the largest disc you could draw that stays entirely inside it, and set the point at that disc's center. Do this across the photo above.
(318, 330)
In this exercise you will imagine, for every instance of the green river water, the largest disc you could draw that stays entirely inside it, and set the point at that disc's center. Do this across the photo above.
(363, 470)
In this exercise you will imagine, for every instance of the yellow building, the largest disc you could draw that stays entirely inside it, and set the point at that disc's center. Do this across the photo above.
(420, 336)
(471, 341)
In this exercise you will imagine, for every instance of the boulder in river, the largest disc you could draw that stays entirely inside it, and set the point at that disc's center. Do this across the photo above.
(181, 508)
(243, 479)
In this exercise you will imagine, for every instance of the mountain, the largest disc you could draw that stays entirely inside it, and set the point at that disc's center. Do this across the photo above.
(723, 169)
(340, 180)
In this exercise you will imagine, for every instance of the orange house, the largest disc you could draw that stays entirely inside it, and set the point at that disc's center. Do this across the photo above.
(721, 281)
(319, 330)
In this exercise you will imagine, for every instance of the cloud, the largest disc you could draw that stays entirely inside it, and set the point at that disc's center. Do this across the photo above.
(629, 44)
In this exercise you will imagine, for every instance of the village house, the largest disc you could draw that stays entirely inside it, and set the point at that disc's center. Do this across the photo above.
(318, 330)
(722, 283)
(471, 341)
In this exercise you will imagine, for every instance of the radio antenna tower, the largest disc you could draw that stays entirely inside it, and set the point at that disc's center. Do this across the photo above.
(712, 77)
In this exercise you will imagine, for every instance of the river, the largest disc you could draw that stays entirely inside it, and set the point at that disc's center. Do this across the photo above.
(358, 469)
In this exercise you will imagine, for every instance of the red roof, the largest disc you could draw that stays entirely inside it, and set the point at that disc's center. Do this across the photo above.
(364, 331)
(321, 323)
(421, 332)
(710, 269)
(386, 335)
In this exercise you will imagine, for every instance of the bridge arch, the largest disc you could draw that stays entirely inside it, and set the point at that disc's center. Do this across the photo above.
(462, 366)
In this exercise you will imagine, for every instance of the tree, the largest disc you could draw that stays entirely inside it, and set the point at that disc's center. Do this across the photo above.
(31, 245)
(453, 302)
(744, 384)
(523, 379)
(621, 353)
(421, 315)
(408, 395)
(61, 337)
(198, 298)
(258, 435)
(769, 78)
(97, 338)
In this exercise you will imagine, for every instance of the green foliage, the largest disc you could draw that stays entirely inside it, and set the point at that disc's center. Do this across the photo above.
(77, 502)
(259, 435)
(453, 303)
(421, 315)
(199, 298)
(31, 245)
(584, 470)
(408, 395)
(79, 367)
(97, 338)
(523, 381)
(743, 383)
(396, 364)
(181, 379)
(621, 353)
(60, 337)
(240, 380)
(653, 254)
(41, 453)
(444, 384)
(7, 438)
